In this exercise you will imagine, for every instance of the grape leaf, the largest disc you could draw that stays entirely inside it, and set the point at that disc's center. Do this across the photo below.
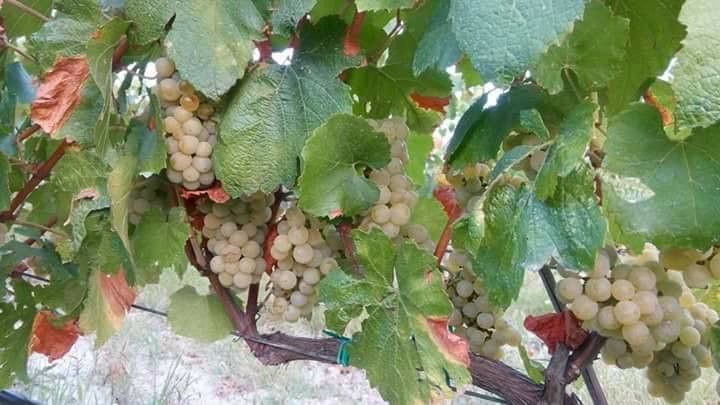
(532, 121)
(382, 91)
(119, 186)
(481, 130)
(594, 51)
(81, 124)
(366, 5)
(14, 341)
(82, 207)
(568, 151)
(4, 184)
(407, 325)
(100, 50)
(66, 34)
(18, 23)
(535, 370)
(430, 213)
(102, 249)
(211, 42)
(287, 14)
(58, 95)
(79, 170)
(158, 243)
(109, 298)
(19, 82)
(419, 146)
(697, 75)
(522, 233)
(332, 183)
(471, 77)
(655, 35)
(51, 340)
(438, 48)
(149, 18)
(504, 38)
(148, 146)
(14, 252)
(682, 211)
(276, 108)
(208, 321)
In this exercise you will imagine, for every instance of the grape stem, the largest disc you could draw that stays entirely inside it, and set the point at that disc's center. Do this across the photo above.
(27, 132)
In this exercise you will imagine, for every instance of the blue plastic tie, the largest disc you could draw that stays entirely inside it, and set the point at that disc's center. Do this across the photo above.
(343, 357)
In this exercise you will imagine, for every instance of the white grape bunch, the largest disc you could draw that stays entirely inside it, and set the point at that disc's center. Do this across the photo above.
(305, 250)
(698, 268)
(393, 209)
(469, 182)
(473, 316)
(648, 314)
(235, 233)
(147, 194)
(191, 132)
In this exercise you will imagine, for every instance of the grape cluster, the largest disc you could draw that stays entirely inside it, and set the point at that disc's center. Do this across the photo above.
(473, 316)
(698, 268)
(235, 233)
(304, 250)
(393, 208)
(650, 317)
(149, 194)
(190, 128)
(469, 182)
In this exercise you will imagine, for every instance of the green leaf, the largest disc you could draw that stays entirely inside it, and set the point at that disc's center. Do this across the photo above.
(419, 146)
(148, 146)
(385, 90)
(532, 121)
(682, 212)
(366, 5)
(481, 130)
(655, 35)
(504, 38)
(697, 75)
(534, 370)
(158, 243)
(438, 48)
(100, 50)
(594, 51)
(400, 336)
(510, 158)
(430, 213)
(287, 14)
(276, 108)
(568, 151)
(208, 322)
(149, 18)
(15, 341)
(14, 252)
(81, 209)
(469, 230)
(79, 170)
(19, 23)
(4, 184)
(211, 42)
(119, 188)
(522, 233)
(80, 127)
(19, 82)
(332, 183)
(471, 77)
(102, 249)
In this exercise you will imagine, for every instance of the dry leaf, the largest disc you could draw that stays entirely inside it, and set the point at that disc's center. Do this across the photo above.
(59, 93)
(50, 340)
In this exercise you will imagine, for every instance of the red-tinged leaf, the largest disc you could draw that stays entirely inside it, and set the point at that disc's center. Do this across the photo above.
(269, 239)
(557, 327)
(446, 195)
(59, 93)
(665, 113)
(352, 41)
(452, 345)
(431, 102)
(216, 193)
(50, 340)
(118, 294)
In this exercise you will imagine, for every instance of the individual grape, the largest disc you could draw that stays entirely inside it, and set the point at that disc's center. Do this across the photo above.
(642, 278)
(598, 289)
(689, 336)
(606, 319)
(168, 89)
(646, 301)
(568, 289)
(626, 312)
(298, 236)
(400, 214)
(180, 161)
(697, 276)
(635, 333)
(292, 313)
(623, 290)
(584, 308)
(164, 67)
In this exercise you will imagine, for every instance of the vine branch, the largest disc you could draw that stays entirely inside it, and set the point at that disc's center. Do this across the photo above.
(28, 10)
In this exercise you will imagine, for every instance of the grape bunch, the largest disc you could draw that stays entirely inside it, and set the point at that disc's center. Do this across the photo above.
(698, 268)
(235, 233)
(393, 208)
(304, 255)
(469, 182)
(473, 316)
(148, 194)
(648, 314)
(190, 129)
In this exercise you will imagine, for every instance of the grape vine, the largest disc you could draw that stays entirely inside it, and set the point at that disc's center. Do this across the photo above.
(399, 169)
